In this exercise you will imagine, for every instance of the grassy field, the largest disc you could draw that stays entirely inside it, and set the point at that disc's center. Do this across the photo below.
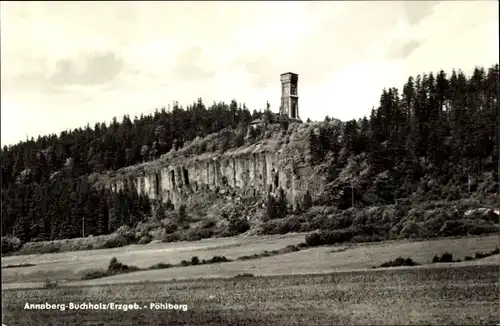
(71, 266)
(443, 295)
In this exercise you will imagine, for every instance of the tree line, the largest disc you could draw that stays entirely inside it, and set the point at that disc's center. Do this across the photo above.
(442, 127)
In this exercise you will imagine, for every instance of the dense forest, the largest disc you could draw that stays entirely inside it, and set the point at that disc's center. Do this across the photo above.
(446, 123)
(45, 194)
(445, 129)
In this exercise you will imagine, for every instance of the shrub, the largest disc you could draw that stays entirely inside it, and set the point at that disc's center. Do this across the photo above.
(160, 266)
(117, 267)
(170, 227)
(244, 275)
(126, 232)
(158, 233)
(286, 225)
(445, 258)
(114, 267)
(182, 215)
(492, 217)
(114, 264)
(479, 255)
(313, 239)
(288, 249)
(336, 236)
(46, 247)
(271, 208)
(361, 238)
(307, 201)
(10, 244)
(197, 234)
(184, 263)
(143, 228)
(465, 227)
(409, 230)
(217, 259)
(18, 265)
(115, 241)
(172, 237)
(52, 249)
(195, 260)
(145, 239)
(236, 226)
(169, 205)
(400, 261)
(340, 236)
(208, 224)
(248, 257)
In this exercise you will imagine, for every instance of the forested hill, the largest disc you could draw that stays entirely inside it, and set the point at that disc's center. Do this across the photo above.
(43, 193)
(440, 125)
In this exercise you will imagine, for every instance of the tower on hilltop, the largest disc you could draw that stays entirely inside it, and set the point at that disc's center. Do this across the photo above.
(289, 96)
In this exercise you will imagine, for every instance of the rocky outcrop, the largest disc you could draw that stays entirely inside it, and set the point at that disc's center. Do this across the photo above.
(255, 169)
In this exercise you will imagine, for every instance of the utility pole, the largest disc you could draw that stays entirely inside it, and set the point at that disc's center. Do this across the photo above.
(468, 183)
(83, 226)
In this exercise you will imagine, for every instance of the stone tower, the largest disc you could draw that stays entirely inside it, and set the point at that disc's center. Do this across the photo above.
(289, 96)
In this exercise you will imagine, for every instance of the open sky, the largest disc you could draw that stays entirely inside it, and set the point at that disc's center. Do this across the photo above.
(66, 64)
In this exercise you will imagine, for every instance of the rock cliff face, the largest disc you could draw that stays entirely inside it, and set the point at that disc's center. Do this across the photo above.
(256, 169)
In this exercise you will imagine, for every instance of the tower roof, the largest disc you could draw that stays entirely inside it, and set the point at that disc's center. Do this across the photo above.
(288, 73)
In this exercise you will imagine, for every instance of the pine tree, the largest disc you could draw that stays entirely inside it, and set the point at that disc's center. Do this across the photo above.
(271, 208)
(315, 147)
(307, 201)
(281, 204)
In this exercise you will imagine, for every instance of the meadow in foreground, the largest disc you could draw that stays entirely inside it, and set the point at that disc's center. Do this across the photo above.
(449, 295)
(71, 266)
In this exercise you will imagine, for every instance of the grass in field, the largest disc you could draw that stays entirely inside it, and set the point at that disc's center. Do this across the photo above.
(433, 296)
(63, 267)
(115, 268)
(73, 265)
(320, 259)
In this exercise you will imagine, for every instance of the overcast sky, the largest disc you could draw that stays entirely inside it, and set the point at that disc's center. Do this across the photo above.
(64, 64)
